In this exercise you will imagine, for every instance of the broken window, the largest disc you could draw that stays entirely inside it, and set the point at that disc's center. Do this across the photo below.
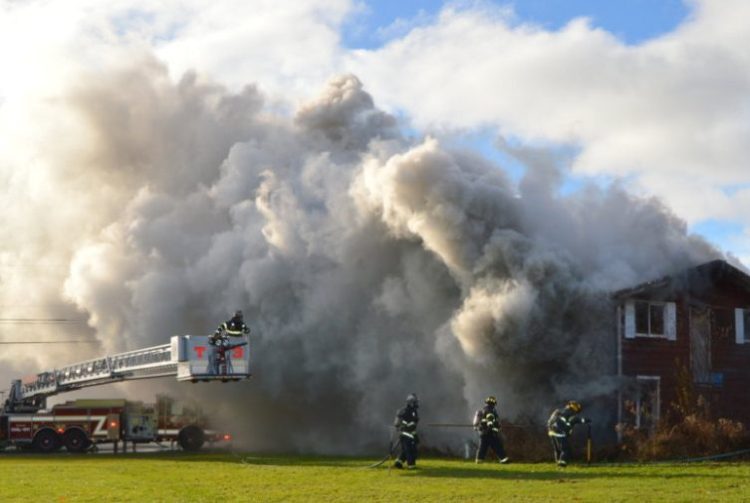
(722, 323)
(641, 403)
(700, 343)
(648, 403)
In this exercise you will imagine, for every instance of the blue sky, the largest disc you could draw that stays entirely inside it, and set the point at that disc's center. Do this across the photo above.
(630, 20)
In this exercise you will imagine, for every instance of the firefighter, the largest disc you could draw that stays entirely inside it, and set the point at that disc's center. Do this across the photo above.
(234, 327)
(406, 425)
(487, 424)
(559, 427)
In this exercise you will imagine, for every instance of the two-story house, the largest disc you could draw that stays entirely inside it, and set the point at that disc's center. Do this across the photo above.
(699, 320)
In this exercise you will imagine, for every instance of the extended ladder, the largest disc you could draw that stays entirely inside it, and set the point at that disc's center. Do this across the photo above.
(187, 357)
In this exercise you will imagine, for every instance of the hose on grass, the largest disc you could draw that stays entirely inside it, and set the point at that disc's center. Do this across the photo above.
(714, 457)
(697, 459)
(393, 447)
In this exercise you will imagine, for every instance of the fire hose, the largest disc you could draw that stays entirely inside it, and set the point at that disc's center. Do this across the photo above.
(391, 450)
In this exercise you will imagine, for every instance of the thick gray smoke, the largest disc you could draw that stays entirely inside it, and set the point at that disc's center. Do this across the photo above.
(368, 265)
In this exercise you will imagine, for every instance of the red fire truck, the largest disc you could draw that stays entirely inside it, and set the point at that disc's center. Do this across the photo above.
(187, 426)
(26, 423)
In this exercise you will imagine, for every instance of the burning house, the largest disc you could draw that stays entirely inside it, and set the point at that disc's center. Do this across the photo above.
(693, 324)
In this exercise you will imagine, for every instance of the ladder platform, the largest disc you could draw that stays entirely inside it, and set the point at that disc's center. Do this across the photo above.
(187, 357)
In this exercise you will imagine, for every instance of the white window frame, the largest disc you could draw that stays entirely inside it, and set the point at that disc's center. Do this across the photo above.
(670, 320)
(656, 413)
(740, 327)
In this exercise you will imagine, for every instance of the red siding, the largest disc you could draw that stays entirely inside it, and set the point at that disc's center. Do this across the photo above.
(730, 361)
(646, 356)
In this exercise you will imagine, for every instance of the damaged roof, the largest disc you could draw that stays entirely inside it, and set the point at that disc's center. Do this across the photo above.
(695, 280)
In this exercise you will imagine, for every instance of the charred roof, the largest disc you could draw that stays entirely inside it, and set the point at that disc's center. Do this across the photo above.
(695, 281)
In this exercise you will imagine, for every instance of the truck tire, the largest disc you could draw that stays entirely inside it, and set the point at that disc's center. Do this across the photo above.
(46, 441)
(76, 440)
(191, 438)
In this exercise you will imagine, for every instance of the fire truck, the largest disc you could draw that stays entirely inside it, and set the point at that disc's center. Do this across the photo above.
(26, 423)
(187, 426)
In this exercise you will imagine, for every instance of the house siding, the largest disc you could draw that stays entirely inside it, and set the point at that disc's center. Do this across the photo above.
(651, 356)
(719, 289)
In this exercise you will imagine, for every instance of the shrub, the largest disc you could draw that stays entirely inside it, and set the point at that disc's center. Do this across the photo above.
(688, 429)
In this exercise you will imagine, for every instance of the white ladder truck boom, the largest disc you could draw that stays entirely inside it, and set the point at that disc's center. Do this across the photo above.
(186, 357)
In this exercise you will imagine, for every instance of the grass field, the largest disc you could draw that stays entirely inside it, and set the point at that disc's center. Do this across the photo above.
(227, 477)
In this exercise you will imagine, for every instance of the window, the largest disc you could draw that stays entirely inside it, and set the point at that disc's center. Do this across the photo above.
(650, 319)
(700, 343)
(722, 324)
(641, 317)
(656, 319)
(741, 325)
(648, 402)
(641, 403)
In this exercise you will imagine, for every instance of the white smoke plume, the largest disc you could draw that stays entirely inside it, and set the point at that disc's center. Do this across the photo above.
(368, 265)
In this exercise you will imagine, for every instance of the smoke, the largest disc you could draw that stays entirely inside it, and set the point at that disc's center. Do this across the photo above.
(368, 265)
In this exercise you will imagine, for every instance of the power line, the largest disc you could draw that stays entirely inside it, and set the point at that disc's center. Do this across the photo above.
(50, 342)
(34, 321)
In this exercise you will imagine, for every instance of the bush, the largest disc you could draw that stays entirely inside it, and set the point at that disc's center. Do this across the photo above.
(693, 436)
(688, 430)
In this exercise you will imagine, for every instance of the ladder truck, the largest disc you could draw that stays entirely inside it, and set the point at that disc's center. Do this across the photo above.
(27, 424)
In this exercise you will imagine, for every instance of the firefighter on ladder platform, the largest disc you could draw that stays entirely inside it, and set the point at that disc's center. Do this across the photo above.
(406, 425)
(234, 327)
(221, 342)
(487, 424)
(559, 427)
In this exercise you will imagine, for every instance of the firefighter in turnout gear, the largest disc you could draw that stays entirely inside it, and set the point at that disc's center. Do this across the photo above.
(406, 425)
(234, 327)
(487, 424)
(559, 427)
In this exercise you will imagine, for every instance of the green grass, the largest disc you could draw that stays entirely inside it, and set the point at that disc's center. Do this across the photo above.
(226, 477)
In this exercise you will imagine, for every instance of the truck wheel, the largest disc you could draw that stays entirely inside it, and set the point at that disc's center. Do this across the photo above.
(76, 441)
(46, 441)
(191, 438)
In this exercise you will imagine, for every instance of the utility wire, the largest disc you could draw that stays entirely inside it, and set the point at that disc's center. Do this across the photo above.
(50, 342)
(30, 321)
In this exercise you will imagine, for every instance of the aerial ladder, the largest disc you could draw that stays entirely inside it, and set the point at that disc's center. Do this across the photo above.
(186, 357)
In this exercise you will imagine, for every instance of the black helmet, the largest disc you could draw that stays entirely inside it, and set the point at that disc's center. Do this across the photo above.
(574, 406)
(238, 314)
(412, 400)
